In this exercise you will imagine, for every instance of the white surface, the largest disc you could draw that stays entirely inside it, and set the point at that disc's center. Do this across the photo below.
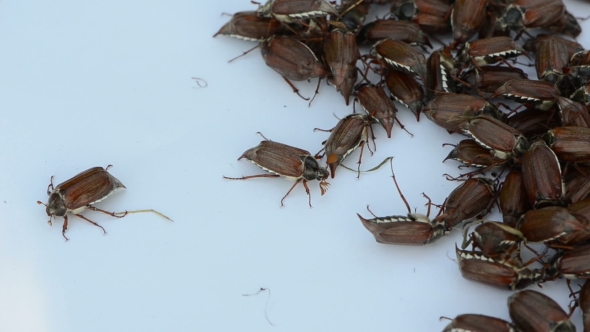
(86, 84)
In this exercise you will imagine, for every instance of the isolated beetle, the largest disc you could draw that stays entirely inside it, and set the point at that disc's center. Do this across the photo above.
(80, 192)
(284, 160)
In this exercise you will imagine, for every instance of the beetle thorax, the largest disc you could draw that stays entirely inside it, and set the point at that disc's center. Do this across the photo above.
(312, 170)
(56, 205)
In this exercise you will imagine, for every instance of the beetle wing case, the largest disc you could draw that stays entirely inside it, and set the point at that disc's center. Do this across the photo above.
(277, 158)
(88, 187)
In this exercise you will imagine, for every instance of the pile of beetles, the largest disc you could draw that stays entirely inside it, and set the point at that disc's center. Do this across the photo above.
(540, 148)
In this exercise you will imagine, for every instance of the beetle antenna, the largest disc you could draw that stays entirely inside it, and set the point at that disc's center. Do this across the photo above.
(399, 190)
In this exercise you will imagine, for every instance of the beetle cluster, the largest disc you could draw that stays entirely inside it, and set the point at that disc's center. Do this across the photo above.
(541, 148)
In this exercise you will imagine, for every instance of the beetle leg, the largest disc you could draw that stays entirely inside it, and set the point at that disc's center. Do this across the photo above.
(253, 176)
(403, 127)
(317, 89)
(294, 88)
(90, 221)
(112, 214)
(65, 227)
(244, 53)
(288, 192)
(360, 158)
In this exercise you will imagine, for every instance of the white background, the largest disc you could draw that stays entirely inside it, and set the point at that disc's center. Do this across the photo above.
(93, 83)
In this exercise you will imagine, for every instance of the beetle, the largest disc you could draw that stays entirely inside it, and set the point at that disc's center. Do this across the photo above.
(401, 56)
(510, 275)
(539, 93)
(494, 240)
(249, 26)
(467, 17)
(504, 141)
(490, 50)
(573, 113)
(341, 54)
(405, 31)
(570, 144)
(487, 79)
(287, 10)
(526, 14)
(534, 311)
(440, 65)
(551, 225)
(513, 201)
(413, 230)
(577, 184)
(532, 123)
(551, 57)
(570, 264)
(470, 153)
(451, 110)
(350, 133)
(292, 59)
(474, 197)
(479, 323)
(542, 175)
(378, 106)
(286, 161)
(405, 90)
(81, 192)
(431, 15)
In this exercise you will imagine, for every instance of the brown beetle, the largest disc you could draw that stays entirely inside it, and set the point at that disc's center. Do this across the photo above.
(571, 264)
(341, 54)
(550, 59)
(534, 311)
(513, 200)
(570, 144)
(494, 240)
(532, 123)
(287, 10)
(526, 14)
(577, 184)
(412, 230)
(287, 161)
(292, 59)
(440, 65)
(539, 93)
(487, 79)
(504, 141)
(378, 106)
(350, 133)
(472, 198)
(80, 192)
(573, 113)
(402, 56)
(542, 175)
(467, 17)
(405, 90)
(490, 50)
(470, 153)
(451, 110)
(551, 224)
(509, 275)
(478, 323)
(249, 26)
(431, 15)
(405, 31)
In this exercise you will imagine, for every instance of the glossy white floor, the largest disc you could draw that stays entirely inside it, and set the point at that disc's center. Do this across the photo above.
(93, 84)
